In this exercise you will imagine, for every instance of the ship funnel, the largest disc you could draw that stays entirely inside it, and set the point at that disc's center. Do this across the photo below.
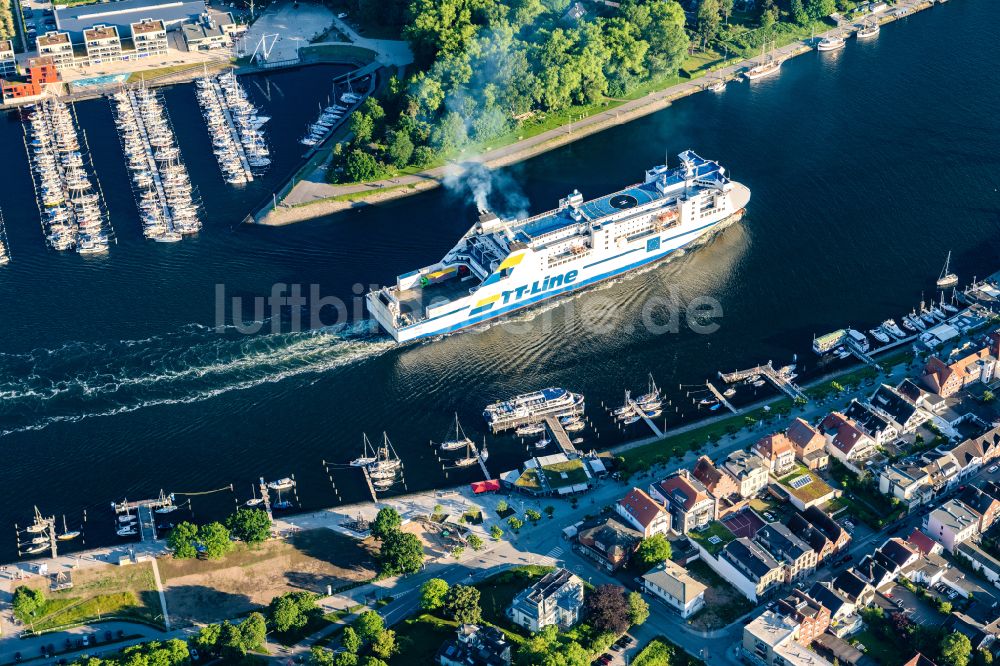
(488, 220)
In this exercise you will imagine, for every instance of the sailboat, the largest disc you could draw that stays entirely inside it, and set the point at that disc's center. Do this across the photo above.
(947, 308)
(386, 459)
(470, 456)
(768, 65)
(367, 454)
(947, 278)
(652, 395)
(66, 534)
(255, 501)
(460, 440)
(167, 503)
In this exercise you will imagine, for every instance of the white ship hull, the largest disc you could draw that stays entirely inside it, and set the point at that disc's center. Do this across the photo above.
(533, 273)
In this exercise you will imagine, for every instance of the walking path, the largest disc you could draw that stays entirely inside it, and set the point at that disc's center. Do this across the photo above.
(318, 194)
(163, 597)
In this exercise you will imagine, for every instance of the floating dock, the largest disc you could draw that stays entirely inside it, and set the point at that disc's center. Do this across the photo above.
(781, 382)
(560, 435)
(641, 413)
(721, 398)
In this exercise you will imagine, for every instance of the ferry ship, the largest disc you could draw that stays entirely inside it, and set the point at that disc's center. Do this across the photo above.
(500, 266)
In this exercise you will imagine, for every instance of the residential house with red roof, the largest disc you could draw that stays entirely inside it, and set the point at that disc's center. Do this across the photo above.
(643, 513)
(686, 499)
(946, 379)
(777, 451)
(845, 441)
(808, 444)
(720, 484)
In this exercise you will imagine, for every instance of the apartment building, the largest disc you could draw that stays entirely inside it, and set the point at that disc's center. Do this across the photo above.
(102, 44)
(56, 46)
(643, 513)
(8, 63)
(149, 37)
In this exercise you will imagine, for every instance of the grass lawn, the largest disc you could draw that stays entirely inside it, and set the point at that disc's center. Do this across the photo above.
(661, 652)
(660, 452)
(880, 651)
(419, 639)
(715, 529)
(346, 51)
(99, 592)
(497, 592)
(529, 480)
(149, 74)
(569, 473)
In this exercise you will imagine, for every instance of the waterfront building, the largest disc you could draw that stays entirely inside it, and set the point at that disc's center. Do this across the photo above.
(777, 451)
(211, 32)
(8, 63)
(102, 44)
(845, 441)
(643, 513)
(555, 599)
(946, 379)
(57, 46)
(672, 584)
(749, 470)
(149, 37)
(808, 444)
(41, 73)
(123, 13)
(688, 501)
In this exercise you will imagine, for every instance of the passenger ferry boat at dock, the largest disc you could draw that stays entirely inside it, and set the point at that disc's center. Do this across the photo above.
(500, 266)
(531, 408)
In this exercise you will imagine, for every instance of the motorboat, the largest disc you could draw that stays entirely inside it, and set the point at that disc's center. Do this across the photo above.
(575, 426)
(282, 484)
(126, 518)
(889, 325)
(879, 335)
(831, 43)
(729, 392)
(128, 530)
(530, 429)
(542, 443)
(869, 30)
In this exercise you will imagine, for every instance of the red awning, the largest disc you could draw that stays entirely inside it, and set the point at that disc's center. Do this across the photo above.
(490, 486)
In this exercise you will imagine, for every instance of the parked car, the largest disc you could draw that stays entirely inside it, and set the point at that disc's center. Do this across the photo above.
(993, 469)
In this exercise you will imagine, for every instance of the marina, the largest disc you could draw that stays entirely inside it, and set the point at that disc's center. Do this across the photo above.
(70, 202)
(163, 189)
(237, 138)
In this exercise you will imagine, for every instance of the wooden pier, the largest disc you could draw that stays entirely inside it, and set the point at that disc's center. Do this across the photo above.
(560, 435)
(147, 523)
(781, 382)
(371, 486)
(481, 457)
(265, 497)
(640, 412)
(721, 398)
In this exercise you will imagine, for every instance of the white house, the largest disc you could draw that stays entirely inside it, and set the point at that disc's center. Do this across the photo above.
(556, 598)
(643, 513)
(671, 583)
(951, 524)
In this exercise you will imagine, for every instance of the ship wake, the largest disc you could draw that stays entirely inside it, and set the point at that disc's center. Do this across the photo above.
(81, 380)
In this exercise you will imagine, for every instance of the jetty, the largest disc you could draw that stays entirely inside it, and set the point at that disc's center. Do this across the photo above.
(767, 371)
(560, 435)
(641, 413)
(721, 398)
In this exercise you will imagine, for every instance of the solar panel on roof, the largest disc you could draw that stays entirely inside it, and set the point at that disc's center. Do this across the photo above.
(800, 481)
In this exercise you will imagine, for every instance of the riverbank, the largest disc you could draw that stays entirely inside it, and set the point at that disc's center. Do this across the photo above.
(310, 197)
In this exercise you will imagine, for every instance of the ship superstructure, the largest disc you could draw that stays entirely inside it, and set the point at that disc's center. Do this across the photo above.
(500, 266)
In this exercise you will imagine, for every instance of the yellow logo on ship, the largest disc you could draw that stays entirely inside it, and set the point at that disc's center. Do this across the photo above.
(512, 260)
(489, 300)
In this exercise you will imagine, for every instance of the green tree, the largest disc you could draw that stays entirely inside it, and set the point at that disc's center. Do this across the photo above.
(496, 532)
(371, 108)
(433, 593)
(462, 604)
(387, 520)
(250, 525)
(608, 609)
(988, 396)
(515, 523)
(182, 539)
(345, 659)
(502, 506)
(709, 19)
(955, 649)
(361, 166)
(291, 610)
(549, 510)
(423, 155)
(400, 149)
(350, 640)
(25, 602)
(532, 515)
(253, 632)
(654, 550)
(983, 657)
(214, 538)
(451, 133)
(384, 644)
(207, 638)
(638, 609)
(361, 126)
(475, 542)
(818, 9)
(401, 553)
(457, 551)
(798, 12)
(320, 657)
(368, 625)
(231, 648)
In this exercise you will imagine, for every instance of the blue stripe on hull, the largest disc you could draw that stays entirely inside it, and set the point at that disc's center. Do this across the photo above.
(552, 294)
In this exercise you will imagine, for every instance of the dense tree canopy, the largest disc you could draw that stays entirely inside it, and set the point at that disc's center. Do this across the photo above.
(386, 520)
(250, 525)
(608, 609)
(654, 550)
(432, 594)
(462, 604)
(401, 553)
(481, 65)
